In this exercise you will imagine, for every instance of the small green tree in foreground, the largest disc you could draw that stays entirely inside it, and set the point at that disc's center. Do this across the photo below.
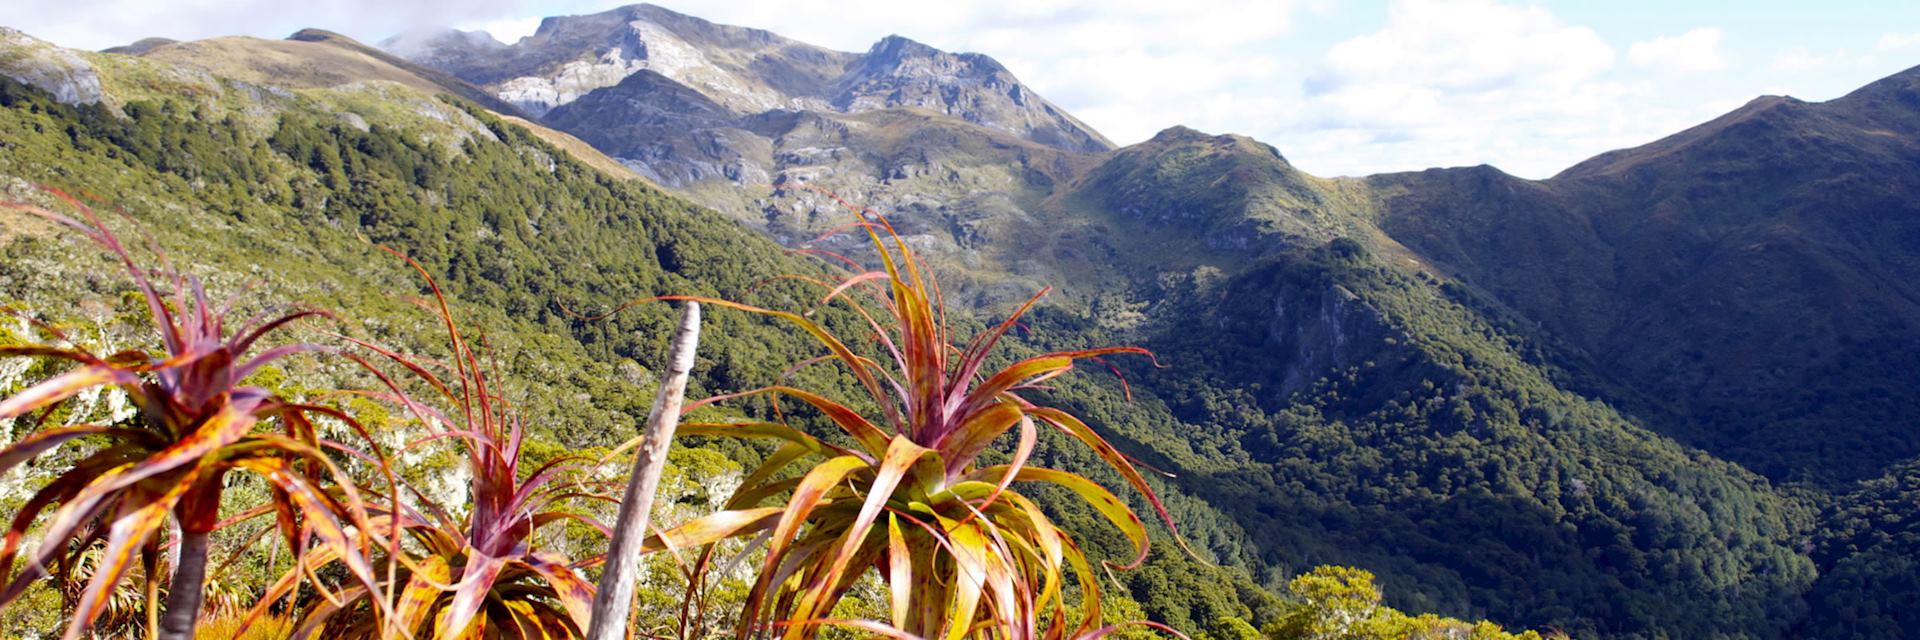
(1342, 603)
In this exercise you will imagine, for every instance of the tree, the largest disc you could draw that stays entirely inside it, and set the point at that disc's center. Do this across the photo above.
(1342, 603)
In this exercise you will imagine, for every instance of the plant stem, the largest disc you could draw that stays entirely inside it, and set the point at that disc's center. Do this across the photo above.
(186, 591)
(613, 603)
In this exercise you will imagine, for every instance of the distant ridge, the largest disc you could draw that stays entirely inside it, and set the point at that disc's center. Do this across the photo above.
(140, 46)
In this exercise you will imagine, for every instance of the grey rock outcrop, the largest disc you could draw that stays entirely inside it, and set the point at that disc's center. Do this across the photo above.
(63, 73)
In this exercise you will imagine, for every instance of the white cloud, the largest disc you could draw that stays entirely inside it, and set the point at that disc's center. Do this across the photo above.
(1467, 45)
(507, 30)
(1693, 51)
(1452, 82)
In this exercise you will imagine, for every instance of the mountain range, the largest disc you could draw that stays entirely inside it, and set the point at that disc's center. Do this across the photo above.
(1668, 392)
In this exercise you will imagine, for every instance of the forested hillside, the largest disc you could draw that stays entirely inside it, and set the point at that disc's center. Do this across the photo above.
(1440, 454)
(1748, 282)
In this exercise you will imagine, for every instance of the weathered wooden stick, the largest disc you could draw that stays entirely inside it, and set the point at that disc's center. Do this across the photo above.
(613, 604)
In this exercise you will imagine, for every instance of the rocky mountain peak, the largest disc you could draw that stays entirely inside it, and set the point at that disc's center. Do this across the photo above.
(896, 48)
(696, 29)
(617, 23)
(900, 72)
(1181, 135)
(1177, 134)
(900, 57)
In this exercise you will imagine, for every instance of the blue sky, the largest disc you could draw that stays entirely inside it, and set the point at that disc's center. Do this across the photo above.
(1341, 88)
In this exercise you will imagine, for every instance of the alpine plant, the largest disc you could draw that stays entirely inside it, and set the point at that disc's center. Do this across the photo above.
(459, 573)
(168, 464)
(962, 551)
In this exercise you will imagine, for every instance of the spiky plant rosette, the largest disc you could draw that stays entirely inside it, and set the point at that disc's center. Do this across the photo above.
(961, 550)
(471, 572)
(196, 423)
